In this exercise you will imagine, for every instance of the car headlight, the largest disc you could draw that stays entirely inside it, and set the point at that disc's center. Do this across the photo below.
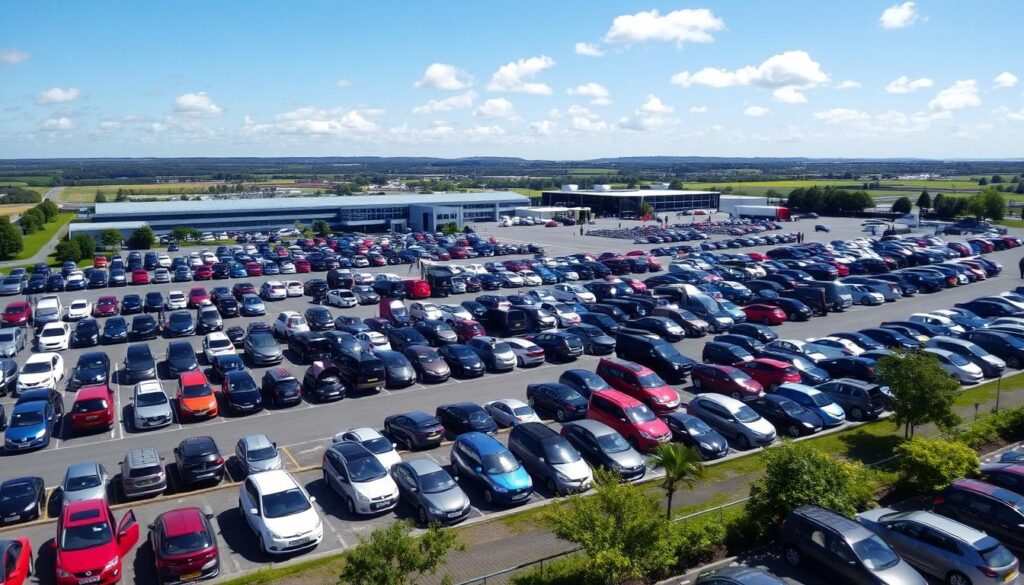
(500, 489)
(40, 433)
(111, 564)
(808, 425)
(706, 446)
(647, 435)
(362, 497)
(63, 574)
(274, 535)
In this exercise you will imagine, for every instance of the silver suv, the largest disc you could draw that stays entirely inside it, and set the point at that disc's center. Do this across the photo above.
(142, 473)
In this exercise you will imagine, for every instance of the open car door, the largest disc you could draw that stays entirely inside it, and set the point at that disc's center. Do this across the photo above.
(127, 533)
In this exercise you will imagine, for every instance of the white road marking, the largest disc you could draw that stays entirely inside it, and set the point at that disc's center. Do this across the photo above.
(308, 451)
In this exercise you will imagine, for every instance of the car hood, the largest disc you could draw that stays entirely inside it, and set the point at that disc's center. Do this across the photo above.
(629, 458)
(293, 525)
(153, 411)
(994, 361)
(401, 372)
(19, 433)
(17, 505)
(183, 363)
(761, 426)
(900, 574)
(93, 558)
(378, 488)
(266, 464)
(34, 379)
(139, 365)
(513, 480)
(712, 439)
(452, 500)
(574, 471)
(89, 375)
(268, 350)
(6, 346)
(833, 410)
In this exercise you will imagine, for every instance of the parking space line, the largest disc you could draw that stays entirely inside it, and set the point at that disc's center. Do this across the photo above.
(289, 455)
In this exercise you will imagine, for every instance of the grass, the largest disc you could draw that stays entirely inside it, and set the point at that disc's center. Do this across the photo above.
(15, 208)
(534, 193)
(34, 242)
(87, 194)
(321, 570)
(895, 187)
(1015, 223)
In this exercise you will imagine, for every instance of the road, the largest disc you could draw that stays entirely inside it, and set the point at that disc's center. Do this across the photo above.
(43, 254)
(304, 430)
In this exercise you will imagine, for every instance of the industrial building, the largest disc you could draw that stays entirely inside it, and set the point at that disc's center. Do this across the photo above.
(604, 200)
(368, 213)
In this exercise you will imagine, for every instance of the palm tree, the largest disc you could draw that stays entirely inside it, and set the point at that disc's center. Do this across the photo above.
(683, 467)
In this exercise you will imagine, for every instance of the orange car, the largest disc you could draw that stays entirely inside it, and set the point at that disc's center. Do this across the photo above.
(195, 396)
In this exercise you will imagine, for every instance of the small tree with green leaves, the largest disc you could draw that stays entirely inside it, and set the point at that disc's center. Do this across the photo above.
(101, 197)
(68, 250)
(183, 233)
(901, 205)
(924, 200)
(928, 465)
(645, 209)
(450, 228)
(111, 238)
(392, 556)
(86, 245)
(142, 238)
(321, 227)
(11, 242)
(922, 391)
(683, 467)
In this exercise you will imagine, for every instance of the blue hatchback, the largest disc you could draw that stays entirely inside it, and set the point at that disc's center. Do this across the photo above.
(814, 400)
(31, 427)
(487, 463)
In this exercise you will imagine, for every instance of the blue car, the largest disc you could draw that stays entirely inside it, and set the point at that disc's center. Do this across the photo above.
(814, 400)
(252, 306)
(484, 461)
(238, 270)
(31, 427)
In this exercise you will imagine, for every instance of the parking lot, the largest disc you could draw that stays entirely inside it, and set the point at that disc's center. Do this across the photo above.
(303, 431)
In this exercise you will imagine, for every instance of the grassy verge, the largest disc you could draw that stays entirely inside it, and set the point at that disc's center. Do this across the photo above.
(34, 242)
(320, 570)
(532, 193)
(1015, 223)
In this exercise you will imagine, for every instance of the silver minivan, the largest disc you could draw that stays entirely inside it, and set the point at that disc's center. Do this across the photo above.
(142, 473)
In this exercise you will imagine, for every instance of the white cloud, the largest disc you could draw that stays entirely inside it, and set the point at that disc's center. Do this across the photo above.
(516, 75)
(756, 111)
(789, 95)
(840, 115)
(543, 127)
(342, 83)
(158, 127)
(444, 76)
(13, 57)
(310, 120)
(792, 69)
(1010, 115)
(698, 109)
(456, 102)
(903, 84)
(848, 84)
(56, 95)
(61, 123)
(594, 90)
(1005, 79)
(589, 49)
(485, 131)
(654, 105)
(962, 94)
(197, 104)
(898, 16)
(495, 108)
(678, 26)
(582, 119)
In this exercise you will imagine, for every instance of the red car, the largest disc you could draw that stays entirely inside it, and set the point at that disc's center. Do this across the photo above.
(184, 546)
(99, 262)
(767, 314)
(636, 284)
(197, 295)
(468, 329)
(87, 549)
(757, 257)
(726, 380)
(630, 417)
(253, 269)
(17, 313)
(204, 272)
(457, 252)
(241, 289)
(140, 277)
(15, 561)
(770, 373)
(93, 409)
(640, 382)
(106, 306)
(302, 266)
(417, 289)
(375, 260)
(652, 264)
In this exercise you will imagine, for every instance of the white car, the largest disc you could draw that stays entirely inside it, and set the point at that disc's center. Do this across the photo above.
(273, 290)
(381, 447)
(565, 315)
(294, 288)
(509, 412)
(151, 409)
(362, 278)
(530, 278)
(374, 340)
(543, 295)
(280, 512)
(420, 311)
(75, 280)
(287, 267)
(77, 310)
(160, 276)
(363, 482)
(341, 297)
(475, 269)
(40, 370)
(288, 323)
(957, 366)
(454, 313)
(512, 279)
(573, 292)
(939, 320)
(176, 300)
(215, 344)
(163, 261)
(54, 336)
(839, 343)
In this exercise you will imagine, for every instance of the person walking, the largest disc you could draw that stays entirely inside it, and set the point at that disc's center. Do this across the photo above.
(581, 229)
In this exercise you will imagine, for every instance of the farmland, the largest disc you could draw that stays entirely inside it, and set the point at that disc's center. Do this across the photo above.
(87, 194)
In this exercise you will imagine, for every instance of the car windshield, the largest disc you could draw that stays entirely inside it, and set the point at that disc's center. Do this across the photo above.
(612, 443)
(85, 536)
(522, 411)
(666, 351)
(285, 503)
(36, 368)
(151, 399)
(378, 445)
(219, 343)
(957, 359)
(997, 556)
(82, 482)
(501, 462)
(792, 407)
(180, 318)
(560, 452)
(26, 419)
(746, 414)
(364, 467)
(695, 426)
(262, 340)
(16, 490)
(196, 390)
(52, 332)
(651, 380)
(262, 454)
(875, 554)
(429, 357)
(13, 311)
(436, 482)
(819, 399)
(186, 543)
(640, 414)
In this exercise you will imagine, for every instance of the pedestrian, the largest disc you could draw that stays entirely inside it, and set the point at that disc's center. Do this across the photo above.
(620, 224)
(581, 229)
(1021, 266)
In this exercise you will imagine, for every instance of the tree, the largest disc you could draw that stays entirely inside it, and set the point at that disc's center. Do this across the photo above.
(922, 391)
(101, 197)
(450, 228)
(390, 556)
(68, 250)
(797, 474)
(49, 209)
(645, 210)
(993, 203)
(111, 238)
(321, 227)
(983, 181)
(184, 233)
(620, 527)
(936, 200)
(924, 201)
(29, 223)
(996, 179)
(10, 238)
(683, 467)
(142, 238)
(676, 185)
(928, 465)
(86, 244)
(901, 205)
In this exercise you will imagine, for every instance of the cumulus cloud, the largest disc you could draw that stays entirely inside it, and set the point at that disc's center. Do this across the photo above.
(1005, 79)
(898, 16)
(342, 83)
(495, 108)
(840, 115)
(756, 111)
(197, 104)
(13, 57)
(594, 90)
(789, 95)
(310, 120)
(1011, 115)
(543, 127)
(444, 76)
(654, 105)
(903, 84)
(582, 119)
(457, 102)
(678, 26)
(698, 109)
(962, 94)
(848, 84)
(485, 131)
(794, 70)
(517, 76)
(56, 95)
(60, 123)
(589, 49)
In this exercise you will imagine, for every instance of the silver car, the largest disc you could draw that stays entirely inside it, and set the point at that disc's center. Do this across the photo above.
(508, 412)
(142, 473)
(943, 548)
(957, 366)
(603, 446)
(12, 340)
(84, 481)
(528, 354)
(430, 491)
(738, 422)
(151, 408)
(257, 453)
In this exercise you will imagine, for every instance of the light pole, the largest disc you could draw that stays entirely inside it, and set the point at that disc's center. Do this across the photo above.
(999, 390)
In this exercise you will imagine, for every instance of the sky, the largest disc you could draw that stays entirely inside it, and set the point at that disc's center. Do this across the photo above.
(560, 80)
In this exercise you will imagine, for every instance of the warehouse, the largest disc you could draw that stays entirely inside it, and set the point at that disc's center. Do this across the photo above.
(367, 213)
(604, 200)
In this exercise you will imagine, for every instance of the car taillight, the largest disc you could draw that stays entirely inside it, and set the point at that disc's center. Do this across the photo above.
(988, 572)
(218, 461)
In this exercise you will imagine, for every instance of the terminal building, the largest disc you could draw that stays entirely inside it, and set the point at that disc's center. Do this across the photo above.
(604, 200)
(366, 213)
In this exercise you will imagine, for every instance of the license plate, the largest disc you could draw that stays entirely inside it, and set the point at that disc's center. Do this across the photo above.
(93, 579)
(520, 496)
(12, 518)
(454, 514)
(298, 541)
(371, 380)
(380, 505)
(192, 576)
(435, 435)
(1010, 576)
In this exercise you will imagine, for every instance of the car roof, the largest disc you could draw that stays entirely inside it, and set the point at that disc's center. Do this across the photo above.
(364, 433)
(619, 398)
(35, 405)
(84, 512)
(257, 441)
(92, 392)
(146, 386)
(423, 466)
(850, 529)
(594, 427)
(182, 521)
(977, 486)
(725, 401)
(83, 468)
(943, 524)
(420, 417)
(278, 480)
(142, 457)
(625, 364)
(484, 444)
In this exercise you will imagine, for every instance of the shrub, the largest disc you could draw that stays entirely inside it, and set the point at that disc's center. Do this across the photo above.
(928, 465)
(698, 542)
(570, 570)
(1007, 425)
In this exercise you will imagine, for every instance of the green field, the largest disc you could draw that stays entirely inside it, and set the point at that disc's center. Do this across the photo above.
(784, 187)
(87, 194)
(33, 242)
(533, 193)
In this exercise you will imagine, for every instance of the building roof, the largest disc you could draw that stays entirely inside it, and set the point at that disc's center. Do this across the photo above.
(289, 203)
(632, 192)
(104, 225)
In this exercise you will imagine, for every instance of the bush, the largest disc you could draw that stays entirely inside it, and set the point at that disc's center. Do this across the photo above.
(697, 542)
(928, 465)
(68, 250)
(10, 238)
(1006, 425)
(901, 205)
(570, 570)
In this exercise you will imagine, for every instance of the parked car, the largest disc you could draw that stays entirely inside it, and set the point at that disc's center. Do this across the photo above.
(603, 446)
(184, 546)
(414, 430)
(198, 460)
(431, 492)
(280, 512)
(735, 420)
(482, 460)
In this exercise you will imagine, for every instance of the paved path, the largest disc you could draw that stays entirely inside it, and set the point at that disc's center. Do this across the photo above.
(44, 252)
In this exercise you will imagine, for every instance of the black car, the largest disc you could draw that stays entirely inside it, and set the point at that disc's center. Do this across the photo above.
(280, 387)
(663, 327)
(115, 330)
(93, 367)
(227, 307)
(859, 368)
(309, 346)
(414, 430)
(693, 432)
(559, 399)
(605, 323)
(22, 499)
(754, 331)
(614, 312)
(788, 417)
(436, 332)
(465, 417)
(319, 319)
(86, 333)
(198, 460)
(594, 340)
(398, 371)
(891, 338)
(131, 304)
(241, 394)
(558, 344)
(180, 324)
(322, 382)
(583, 381)
(208, 319)
(361, 371)
(236, 334)
(52, 283)
(342, 342)
(1004, 346)
(315, 287)
(97, 279)
(36, 284)
(795, 310)
(724, 354)
(154, 302)
(429, 365)
(402, 337)
(139, 364)
(144, 327)
(462, 361)
(225, 364)
(476, 309)
(753, 346)
(351, 325)
(180, 358)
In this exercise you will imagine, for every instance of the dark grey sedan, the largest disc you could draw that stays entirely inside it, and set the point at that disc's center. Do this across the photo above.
(431, 492)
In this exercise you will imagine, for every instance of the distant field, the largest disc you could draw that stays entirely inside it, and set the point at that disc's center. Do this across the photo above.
(9, 210)
(528, 192)
(87, 194)
(784, 187)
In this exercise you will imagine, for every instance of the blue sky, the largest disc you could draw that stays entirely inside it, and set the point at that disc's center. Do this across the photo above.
(537, 79)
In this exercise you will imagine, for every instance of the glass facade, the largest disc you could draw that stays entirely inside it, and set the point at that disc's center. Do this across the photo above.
(609, 203)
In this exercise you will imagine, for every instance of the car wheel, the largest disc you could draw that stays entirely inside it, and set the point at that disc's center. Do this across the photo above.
(856, 413)
(263, 547)
(957, 578)
(697, 383)
(793, 431)
(792, 555)
(422, 516)
(552, 488)
(489, 497)
(350, 505)
(742, 442)
(1013, 362)
(559, 415)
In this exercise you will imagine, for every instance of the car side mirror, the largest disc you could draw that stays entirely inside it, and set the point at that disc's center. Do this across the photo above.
(312, 499)
(478, 469)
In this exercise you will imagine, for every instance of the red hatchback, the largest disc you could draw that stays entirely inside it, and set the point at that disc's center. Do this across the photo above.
(17, 314)
(302, 266)
(770, 373)
(140, 277)
(630, 417)
(93, 409)
(767, 314)
(197, 295)
(204, 272)
(468, 329)
(105, 306)
(253, 269)
(417, 289)
(640, 382)
(99, 262)
(726, 380)
(87, 549)
(184, 546)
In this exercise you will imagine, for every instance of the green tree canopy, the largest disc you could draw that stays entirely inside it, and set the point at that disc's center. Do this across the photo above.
(142, 238)
(928, 465)
(391, 556)
(10, 238)
(68, 250)
(86, 244)
(321, 227)
(902, 205)
(683, 467)
(922, 391)
(184, 233)
(111, 238)
(924, 201)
